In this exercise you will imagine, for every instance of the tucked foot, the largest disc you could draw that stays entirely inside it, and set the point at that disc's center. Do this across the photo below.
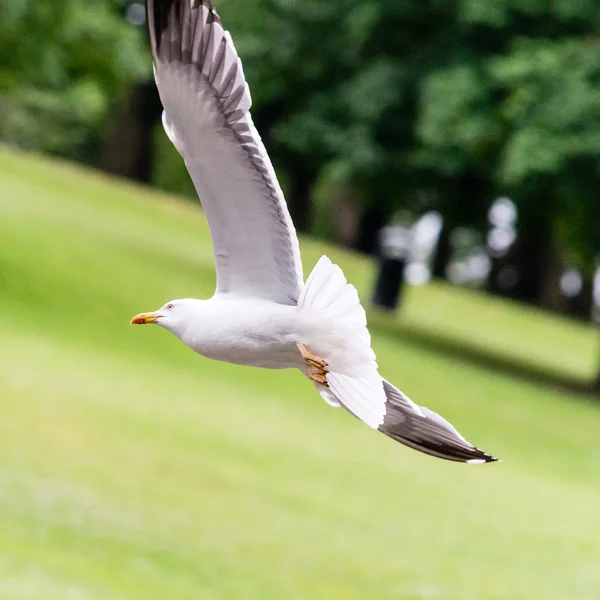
(317, 367)
(318, 375)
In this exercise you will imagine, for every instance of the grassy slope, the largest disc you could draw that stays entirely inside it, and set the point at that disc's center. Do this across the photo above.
(132, 469)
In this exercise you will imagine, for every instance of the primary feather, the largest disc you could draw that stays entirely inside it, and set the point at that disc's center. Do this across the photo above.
(206, 104)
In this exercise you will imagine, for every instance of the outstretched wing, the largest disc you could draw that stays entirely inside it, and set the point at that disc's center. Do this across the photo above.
(206, 115)
(424, 430)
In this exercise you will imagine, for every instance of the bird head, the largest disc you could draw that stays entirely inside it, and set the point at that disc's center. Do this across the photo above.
(172, 316)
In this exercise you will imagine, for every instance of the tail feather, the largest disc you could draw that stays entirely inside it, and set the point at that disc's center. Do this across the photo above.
(346, 306)
(360, 397)
(324, 285)
(353, 380)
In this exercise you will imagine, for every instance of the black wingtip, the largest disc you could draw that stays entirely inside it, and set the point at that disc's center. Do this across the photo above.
(426, 431)
(173, 16)
(482, 458)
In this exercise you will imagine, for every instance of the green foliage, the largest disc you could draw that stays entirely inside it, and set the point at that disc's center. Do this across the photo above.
(442, 105)
(551, 106)
(521, 110)
(342, 89)
(421, 105)
(457, 125)
(64, 66)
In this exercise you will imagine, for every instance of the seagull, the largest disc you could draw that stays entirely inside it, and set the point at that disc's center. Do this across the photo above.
(262, 313)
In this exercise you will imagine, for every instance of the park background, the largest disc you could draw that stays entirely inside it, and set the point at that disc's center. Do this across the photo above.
(131, 468)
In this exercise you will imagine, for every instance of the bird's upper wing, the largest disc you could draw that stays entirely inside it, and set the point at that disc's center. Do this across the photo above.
(206, 115)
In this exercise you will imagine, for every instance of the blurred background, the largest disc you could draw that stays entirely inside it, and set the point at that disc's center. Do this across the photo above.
(447, 154)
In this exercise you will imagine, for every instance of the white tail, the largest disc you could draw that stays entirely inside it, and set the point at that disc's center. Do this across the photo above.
(354, 381)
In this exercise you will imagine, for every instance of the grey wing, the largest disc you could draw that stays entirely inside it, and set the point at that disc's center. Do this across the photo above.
(206, 115)
(424, 430)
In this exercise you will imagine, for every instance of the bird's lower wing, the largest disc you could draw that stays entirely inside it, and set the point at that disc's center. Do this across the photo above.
(425, 430)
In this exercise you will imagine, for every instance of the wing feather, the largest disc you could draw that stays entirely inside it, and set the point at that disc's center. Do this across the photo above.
(206, 104)
(425, 430)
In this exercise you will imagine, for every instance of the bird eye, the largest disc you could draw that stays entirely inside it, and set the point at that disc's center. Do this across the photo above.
(169, 306)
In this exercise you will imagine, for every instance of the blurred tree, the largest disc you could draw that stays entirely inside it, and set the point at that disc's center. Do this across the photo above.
(520, 111)
(386, 104)
(437, 105)
(64, 66)
(335, 94)
(551, 153)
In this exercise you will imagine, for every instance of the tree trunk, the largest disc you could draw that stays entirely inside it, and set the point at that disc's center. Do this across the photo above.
(389, 285)
(443, 253)
(531, 270)
(581, 305)
(346, 216)
(127, 150)
(371, 221)
(550, 295)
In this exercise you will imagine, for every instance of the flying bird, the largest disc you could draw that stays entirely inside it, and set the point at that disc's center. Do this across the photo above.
(262, 313)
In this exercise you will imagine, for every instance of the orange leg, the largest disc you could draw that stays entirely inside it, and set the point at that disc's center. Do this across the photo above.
(317, 367)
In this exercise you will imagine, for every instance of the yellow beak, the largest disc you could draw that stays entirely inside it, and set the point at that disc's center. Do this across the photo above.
(145, 319)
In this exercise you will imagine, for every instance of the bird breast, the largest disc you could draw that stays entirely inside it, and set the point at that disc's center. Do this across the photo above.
(247, 332)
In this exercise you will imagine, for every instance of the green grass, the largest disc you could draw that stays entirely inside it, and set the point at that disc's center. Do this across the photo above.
(131, 468)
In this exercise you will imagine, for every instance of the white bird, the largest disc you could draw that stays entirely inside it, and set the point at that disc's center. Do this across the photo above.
(262, 314)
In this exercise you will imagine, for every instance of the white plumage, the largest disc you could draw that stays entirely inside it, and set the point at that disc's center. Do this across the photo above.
(262, 314)
(206, 100)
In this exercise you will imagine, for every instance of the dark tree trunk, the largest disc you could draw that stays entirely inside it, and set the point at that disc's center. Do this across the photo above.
(346, 216)
(389, 285)
(443, 253)
(524, 266)
(301, 173)
(372, 220)
(596, 382)
(504, 275)
(127, 151)
(581, 305)
(550, 295)
(531, 270)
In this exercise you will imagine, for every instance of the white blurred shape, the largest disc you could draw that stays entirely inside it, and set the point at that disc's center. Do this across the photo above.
(427, 229)
(417, 273)
(571, 283)
(479, 266)
(596, 291)
(136, 13)
(500, 239)
(395, 241)
(503, 213)
(457, 273)
(596, 296)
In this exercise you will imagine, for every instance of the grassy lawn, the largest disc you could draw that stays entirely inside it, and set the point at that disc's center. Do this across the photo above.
(131, 468)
